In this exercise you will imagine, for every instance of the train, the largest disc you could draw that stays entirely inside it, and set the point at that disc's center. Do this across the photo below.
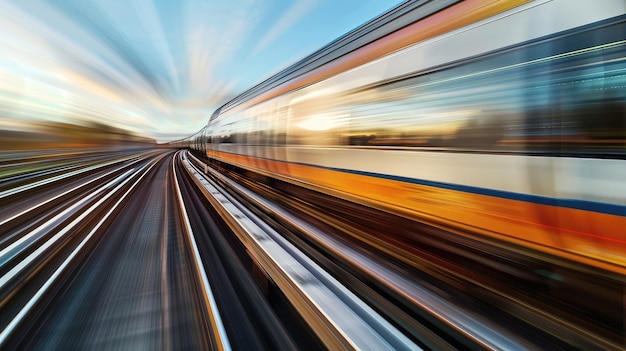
(503, 119)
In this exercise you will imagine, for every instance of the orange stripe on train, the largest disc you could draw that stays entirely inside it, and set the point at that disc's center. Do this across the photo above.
(557, 230)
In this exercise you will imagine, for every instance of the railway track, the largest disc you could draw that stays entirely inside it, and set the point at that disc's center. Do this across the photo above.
(126, 251)
(157, 249)
(443, 290)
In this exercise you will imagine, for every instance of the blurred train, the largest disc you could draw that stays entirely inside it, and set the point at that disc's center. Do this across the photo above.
(504, 119)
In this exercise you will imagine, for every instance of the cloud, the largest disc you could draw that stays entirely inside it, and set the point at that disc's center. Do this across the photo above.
(213, 37)
(291, 16)
(145, 65)
(151, 21)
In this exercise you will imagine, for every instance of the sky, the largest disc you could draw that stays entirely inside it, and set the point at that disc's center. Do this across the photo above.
(158, 68)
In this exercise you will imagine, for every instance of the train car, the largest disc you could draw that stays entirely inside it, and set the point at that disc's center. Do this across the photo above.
(504, 119)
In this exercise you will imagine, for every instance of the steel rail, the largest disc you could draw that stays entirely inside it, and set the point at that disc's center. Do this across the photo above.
(39, 183)
(336, 315)
(23, 313)
(217, 326)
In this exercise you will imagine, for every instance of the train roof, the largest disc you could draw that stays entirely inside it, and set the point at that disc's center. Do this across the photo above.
(399, 17)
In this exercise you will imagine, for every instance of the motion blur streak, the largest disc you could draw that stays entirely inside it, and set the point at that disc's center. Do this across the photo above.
(41, 292)
(152, 67)
(72, 81)
(501, 123)
(505, 131)
(95, 280)
(217, 326)
(447, 176)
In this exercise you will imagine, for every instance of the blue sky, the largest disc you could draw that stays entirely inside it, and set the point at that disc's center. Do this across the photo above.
(155, 67)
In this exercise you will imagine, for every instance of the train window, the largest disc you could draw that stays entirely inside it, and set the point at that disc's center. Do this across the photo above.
(269, 126)
(561, 96)
(260, 125)
(570, 102)
(209, 135)
(223, 132)
(318, 120)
